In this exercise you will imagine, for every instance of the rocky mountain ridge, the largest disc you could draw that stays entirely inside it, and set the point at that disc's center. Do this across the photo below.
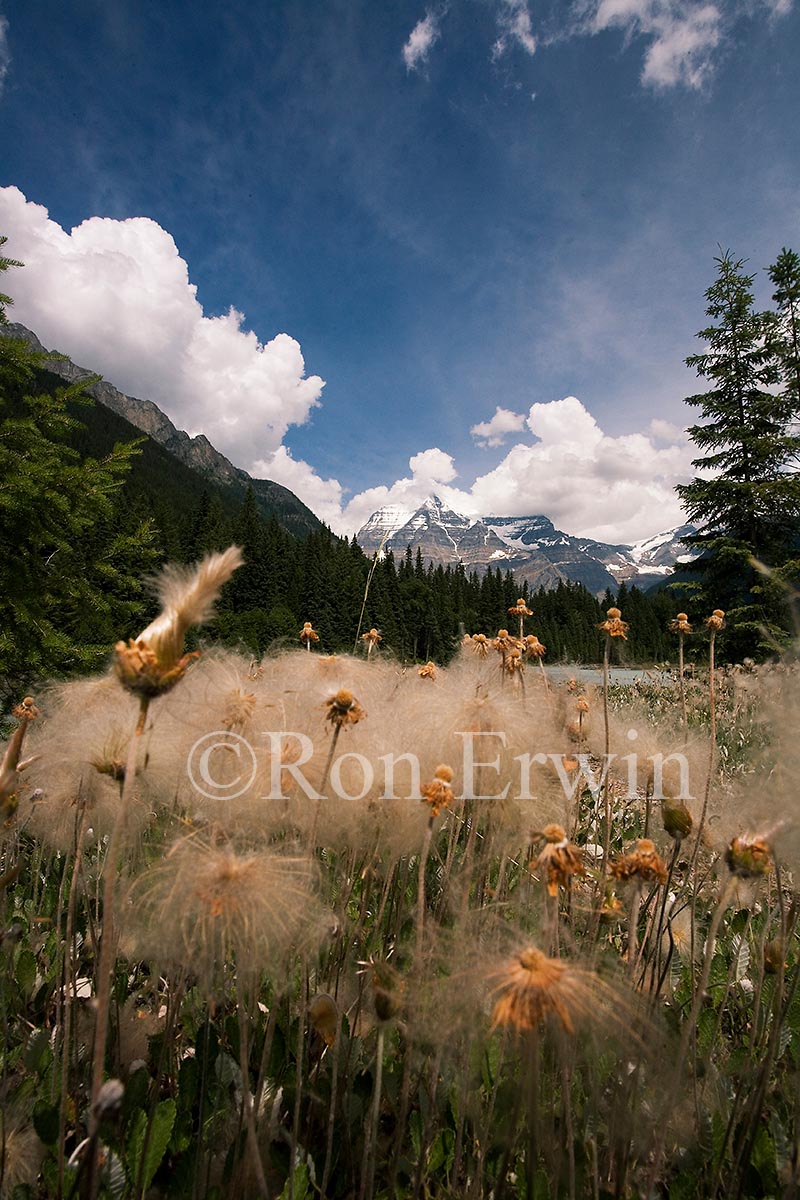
(195, 452)
(531, 547)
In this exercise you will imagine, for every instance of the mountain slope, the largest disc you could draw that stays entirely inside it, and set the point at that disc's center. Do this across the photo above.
(195, 453)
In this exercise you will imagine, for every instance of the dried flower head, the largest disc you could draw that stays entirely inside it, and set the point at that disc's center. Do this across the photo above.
(308, 634)
(520, 609)
(438, 793)
(716, 621)
(239, 708)
(558, 858)
(749, 856)
(154, 662)
(533, 647)
(642, 863)
(532, 987)
(582, 704)
(480, 644)
(614, 626)
(206, 904)
(344, 709)
(513, 661)
(428, 671)
(371, 639)
(680, 624)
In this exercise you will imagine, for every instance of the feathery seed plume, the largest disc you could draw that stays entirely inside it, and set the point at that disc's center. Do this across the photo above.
(154, 662)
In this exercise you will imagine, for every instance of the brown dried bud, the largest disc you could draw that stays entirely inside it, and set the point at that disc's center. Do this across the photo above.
(748, 857)
(676, 818)
(344, 709)
(716, 621)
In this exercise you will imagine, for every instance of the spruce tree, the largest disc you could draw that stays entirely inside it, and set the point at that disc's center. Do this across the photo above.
(749, 496)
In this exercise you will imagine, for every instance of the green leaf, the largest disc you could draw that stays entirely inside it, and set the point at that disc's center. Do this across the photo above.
(161, 1130)
(300, 1184)
(26, 971)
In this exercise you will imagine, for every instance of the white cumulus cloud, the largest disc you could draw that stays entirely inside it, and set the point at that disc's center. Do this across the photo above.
(495, 431)
(420, 41)
(116, 297)
(614, 488)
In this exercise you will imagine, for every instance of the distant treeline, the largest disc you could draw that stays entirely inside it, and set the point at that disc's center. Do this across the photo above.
(421, 611)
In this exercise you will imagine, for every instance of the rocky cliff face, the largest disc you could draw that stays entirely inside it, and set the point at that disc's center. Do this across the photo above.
(195, 452)
(531, 547)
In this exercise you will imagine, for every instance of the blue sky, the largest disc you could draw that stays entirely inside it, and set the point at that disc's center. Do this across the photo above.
(443, 210)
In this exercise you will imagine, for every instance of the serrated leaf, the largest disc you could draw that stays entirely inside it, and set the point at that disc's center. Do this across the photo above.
(741, 953)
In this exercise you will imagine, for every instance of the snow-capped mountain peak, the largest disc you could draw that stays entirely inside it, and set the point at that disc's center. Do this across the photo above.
(531, 546)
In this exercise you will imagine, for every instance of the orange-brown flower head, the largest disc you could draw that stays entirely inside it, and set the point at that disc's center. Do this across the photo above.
(513, 661)
(428, 671)
(533, 647)
(532, 987)
(582, 704)
(26, 710)
(716, 621)
(680, 624)
(614, 626)
(438, 793)
(480, 644)
(344, 709)
(520, 609)
(642, 863)
(154, 662)
(559, 859)
(749, 856)
(371, 638)
(308, 634)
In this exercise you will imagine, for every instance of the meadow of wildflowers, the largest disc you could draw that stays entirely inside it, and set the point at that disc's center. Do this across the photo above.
(344, 927)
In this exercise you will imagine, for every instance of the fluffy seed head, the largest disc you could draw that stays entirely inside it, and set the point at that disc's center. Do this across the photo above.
(532, 987)
(154, 662)
(206, 905)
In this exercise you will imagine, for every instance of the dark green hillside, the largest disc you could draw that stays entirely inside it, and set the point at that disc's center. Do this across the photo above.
(172, 484)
